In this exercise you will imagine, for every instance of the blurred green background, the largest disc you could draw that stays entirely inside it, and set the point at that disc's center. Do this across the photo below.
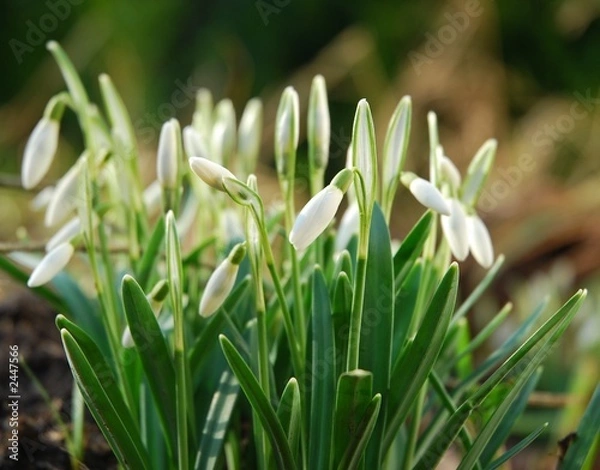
(527, 73)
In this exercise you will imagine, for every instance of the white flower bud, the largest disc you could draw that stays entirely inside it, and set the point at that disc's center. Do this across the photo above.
(480, 241)
(287, 123)
(39, 152)
(319, 122)
(51, 265)
(221, 281)
(209, 172)
(64, 198)
(226, 121)
(167, 159)
(426, 193)
(65, 234)
(364, 151)
(455, 230)
(249, 134)
(193, 143)
(151, 196)
(315, 216)
(396, 142)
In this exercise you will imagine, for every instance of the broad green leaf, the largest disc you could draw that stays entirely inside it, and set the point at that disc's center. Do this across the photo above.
(154, 355)
(411, 248)
(290, 413)
(587, 432)
(354, 452)
(217, 422)
(151, 254)
(106, 404)
(354, 394)
(517, 448)
(405, 307)
(507, 422)
(378, 323)
(411, 372)
(260, 404)
(322, 376)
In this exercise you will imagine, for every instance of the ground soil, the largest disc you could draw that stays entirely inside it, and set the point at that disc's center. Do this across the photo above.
(28, 322)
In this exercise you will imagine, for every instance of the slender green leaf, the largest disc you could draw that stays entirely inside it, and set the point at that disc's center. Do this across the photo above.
(341, 309)
(322, 376)
(378, 323)
(290, 414)
(217, 422)
(106, 404)
(587, 432)
(411, 247)
(151, 254)
(354, 394)
(411, 372)
(514, 450)
(260, 404)
(154, 355)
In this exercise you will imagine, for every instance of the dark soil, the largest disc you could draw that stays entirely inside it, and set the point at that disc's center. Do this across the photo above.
(26, 321)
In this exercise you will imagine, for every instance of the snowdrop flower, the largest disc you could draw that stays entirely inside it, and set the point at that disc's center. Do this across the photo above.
(210, 172)
(287, 123)
(480, 242)
(249, 134)
(455, 230)
(221, 281)
(151, 196)
(64, 198)
(319, 123)
(51, 265)
(318, 213)
(448, 170)
(426, 193)
(225, 122)
(39, 152)
(42, 199)
(193, 143)
(167, 159)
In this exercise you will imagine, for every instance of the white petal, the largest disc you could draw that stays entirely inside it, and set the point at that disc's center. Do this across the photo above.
(152, 196)
(51, 265)
(39, 152)
(167, 158)
(65, 234)
(428, 195)
(315, 216)
(218, 287)
(64, 199)
(210, 172)
(349, 226)
(42, 199)
(449, 171)
(480, 241)
(455, 230)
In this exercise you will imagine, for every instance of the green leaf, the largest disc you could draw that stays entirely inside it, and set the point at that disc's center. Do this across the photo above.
(405, 307)
(354, 392)
(151, 254)
(98, 386)
(354, 452)
(587, 432)
(290, 414)
(411, 372)
(378, 323)
(516, 448)
(217, 421)
(411, 248)
(341, 310)
(322, 376)
(260, 404)
(507, 422)
(154, 355)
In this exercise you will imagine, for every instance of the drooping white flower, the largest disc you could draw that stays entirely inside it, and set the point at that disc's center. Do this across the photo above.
(210, 172)
(39, 152)
(221, 281)
(426, 193)
(51, 265)
(455, 230)
(480, 242)
(168, 156)
(64, 198)
(315, 216)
